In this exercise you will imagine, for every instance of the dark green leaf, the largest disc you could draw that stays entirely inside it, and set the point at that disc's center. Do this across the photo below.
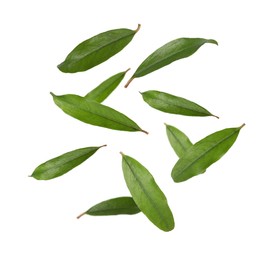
(93, 113)
(173, 104)
(178, 140)
(168, 53)
(147, 194)
(96, 50)
(116, 206)
(204, 153)
(101, 92)
(63, 163)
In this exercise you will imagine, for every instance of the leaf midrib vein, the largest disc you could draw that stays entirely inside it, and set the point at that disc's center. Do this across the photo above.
(147, 195)
(198, 158)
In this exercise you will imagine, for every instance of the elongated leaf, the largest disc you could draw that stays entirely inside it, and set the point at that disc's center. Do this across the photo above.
(168, 53)
(147, 194)
(116, 206)
(96, 50)
(101, 92)
(63, 163)
(204, 153)
(93, 113)
(178, 140)
(173, 104)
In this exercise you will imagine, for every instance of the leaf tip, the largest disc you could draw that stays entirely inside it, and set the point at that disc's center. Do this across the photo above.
(122, 153)
(213, 41)
(127, 70)
(53, 95)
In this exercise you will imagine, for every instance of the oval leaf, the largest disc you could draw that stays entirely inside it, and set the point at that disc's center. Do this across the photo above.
(178, 140)
(204, 153)
(173, 104)
(93, 113)
(101, 92)
(116, 206)
(147, 194)
(96, 50)
(168, 53)
(63, 163)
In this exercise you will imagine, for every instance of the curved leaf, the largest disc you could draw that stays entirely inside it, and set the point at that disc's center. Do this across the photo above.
(116, 206)
(93, 113)
(168, 53)
(101, 92)
(63, 163)
(147, 194)
(178, 140)
(172, 104)
(204, 153)
(96, 50)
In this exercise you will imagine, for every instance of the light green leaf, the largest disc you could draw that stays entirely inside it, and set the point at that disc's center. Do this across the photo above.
(63, 163)
(116, 206)
(172, 104)
(178, 140)
(96, 50)
(101, 92)
(204, 153)
(93, 113)
(168, 53)
(147, 194)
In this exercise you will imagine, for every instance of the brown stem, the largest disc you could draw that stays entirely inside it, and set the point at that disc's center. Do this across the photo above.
(242, 125)
(126, 71)
(128, 82)
(82, 214)
(144, 131)
(138, 28)
(216, 116)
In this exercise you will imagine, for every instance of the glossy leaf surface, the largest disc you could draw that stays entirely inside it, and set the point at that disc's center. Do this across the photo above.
(168, 53)
(93, 113)
(101, 92)
(96, 50)
(178, 140)
(172, 104)
(204, 153)
(62, 164)
(147, 194)
(116, 206)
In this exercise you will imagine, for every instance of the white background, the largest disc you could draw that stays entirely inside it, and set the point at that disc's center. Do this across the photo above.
(222, 214)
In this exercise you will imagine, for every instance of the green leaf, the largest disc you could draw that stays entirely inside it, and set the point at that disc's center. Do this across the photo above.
(168, 53)
(178, 140)
(62, 164)
(147, 194)
(93, 113)
(204, 153)
(96, 50)
(116, 206)
(101, 92)
(173, 104)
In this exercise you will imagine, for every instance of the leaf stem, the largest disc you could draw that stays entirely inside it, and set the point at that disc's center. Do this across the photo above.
(127, 70)
(242, 126)
(215, 116)
(138, 28)
(82, 214)
(144, 131)
(128, 82)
